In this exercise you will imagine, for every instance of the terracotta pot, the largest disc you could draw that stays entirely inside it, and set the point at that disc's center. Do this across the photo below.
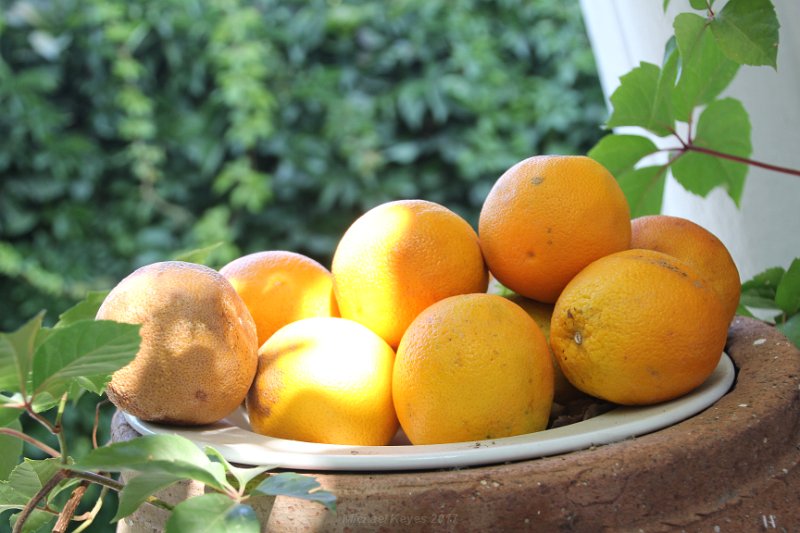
(733, 467)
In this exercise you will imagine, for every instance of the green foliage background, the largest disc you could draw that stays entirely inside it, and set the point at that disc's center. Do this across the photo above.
(132, 130)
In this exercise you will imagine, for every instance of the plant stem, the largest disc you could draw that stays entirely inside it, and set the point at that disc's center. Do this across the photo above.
(89, 517)
(746, 161)
(59, 430)
(30, 440)
(97, 421)
(39, 418)
(33, 502)
(68, 511)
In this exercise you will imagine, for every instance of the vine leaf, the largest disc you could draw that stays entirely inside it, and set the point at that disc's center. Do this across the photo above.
(243, 476)
(619, 153)
(698, 4)
(644, 189)
(7, 413)
(141, 486)
(759, 291)
(86, 309)
(747, 32)
(211, 513)
(296, 486)
(16, 353)
(27, 478)
(643, 98)
(787, 293)
(724, 126)
(10, 450)
(87, 351)
(705, 71)
(791, 328)
(171, 454)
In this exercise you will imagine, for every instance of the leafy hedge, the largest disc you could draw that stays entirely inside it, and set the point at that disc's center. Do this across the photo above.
(132, 130)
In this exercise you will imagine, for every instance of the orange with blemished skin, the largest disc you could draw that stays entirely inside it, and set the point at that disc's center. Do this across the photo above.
(198, 352)
(546, 218)
(697, 246)
(638, 327)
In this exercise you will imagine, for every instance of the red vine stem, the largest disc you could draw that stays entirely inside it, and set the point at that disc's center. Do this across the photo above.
(731, 157)
(723, 155)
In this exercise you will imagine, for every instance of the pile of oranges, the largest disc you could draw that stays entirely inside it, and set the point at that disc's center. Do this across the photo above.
(455, 335)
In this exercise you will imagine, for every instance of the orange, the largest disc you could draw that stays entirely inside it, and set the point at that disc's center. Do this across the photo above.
(541, 313)
(197, 356)
(546, 218)
(638, 327)
(697, 246)
(280, 287)
(325, 380)
(472, 367)
(400, 257)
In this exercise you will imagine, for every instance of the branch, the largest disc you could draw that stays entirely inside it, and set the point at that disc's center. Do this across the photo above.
(33, 502)
(744, 160)
(89, 517)
(69, 508)
(30, 440)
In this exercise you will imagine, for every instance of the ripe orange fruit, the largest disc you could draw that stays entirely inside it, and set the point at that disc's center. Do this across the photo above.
(472, 367)
(325, 380)
(280, 287)
(546, 218)
(400, 257)
(697, 246)
(542, 313)
(638, 327)
(197, 356)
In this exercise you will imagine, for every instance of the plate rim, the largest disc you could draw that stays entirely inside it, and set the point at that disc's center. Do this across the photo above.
(246, 447)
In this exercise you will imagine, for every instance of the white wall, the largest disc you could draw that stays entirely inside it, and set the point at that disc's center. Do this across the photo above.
(765, 231)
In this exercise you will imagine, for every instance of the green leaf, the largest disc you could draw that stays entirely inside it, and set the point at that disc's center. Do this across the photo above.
(10, 450)
(211, 513)
(170, 454)
(26, 479)
(724, 126)
(787, 293)
(757, 302)
(138, 488)
(297, 486)
(643, 99)
(765, 283)
(644, 189)
(698, 4)
(37, 522)
(741, 310)
(198, 255)
(791, 328)
(83, 310)
(9, 414)
(243, 475)
(16, 353)
(620, 153)
(747, 32)
(705, 71)
(89, 350)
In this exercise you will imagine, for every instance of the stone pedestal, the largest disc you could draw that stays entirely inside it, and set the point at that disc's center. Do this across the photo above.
(733, 467)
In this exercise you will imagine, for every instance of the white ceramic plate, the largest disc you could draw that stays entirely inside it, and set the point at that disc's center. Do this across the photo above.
(233, 438)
